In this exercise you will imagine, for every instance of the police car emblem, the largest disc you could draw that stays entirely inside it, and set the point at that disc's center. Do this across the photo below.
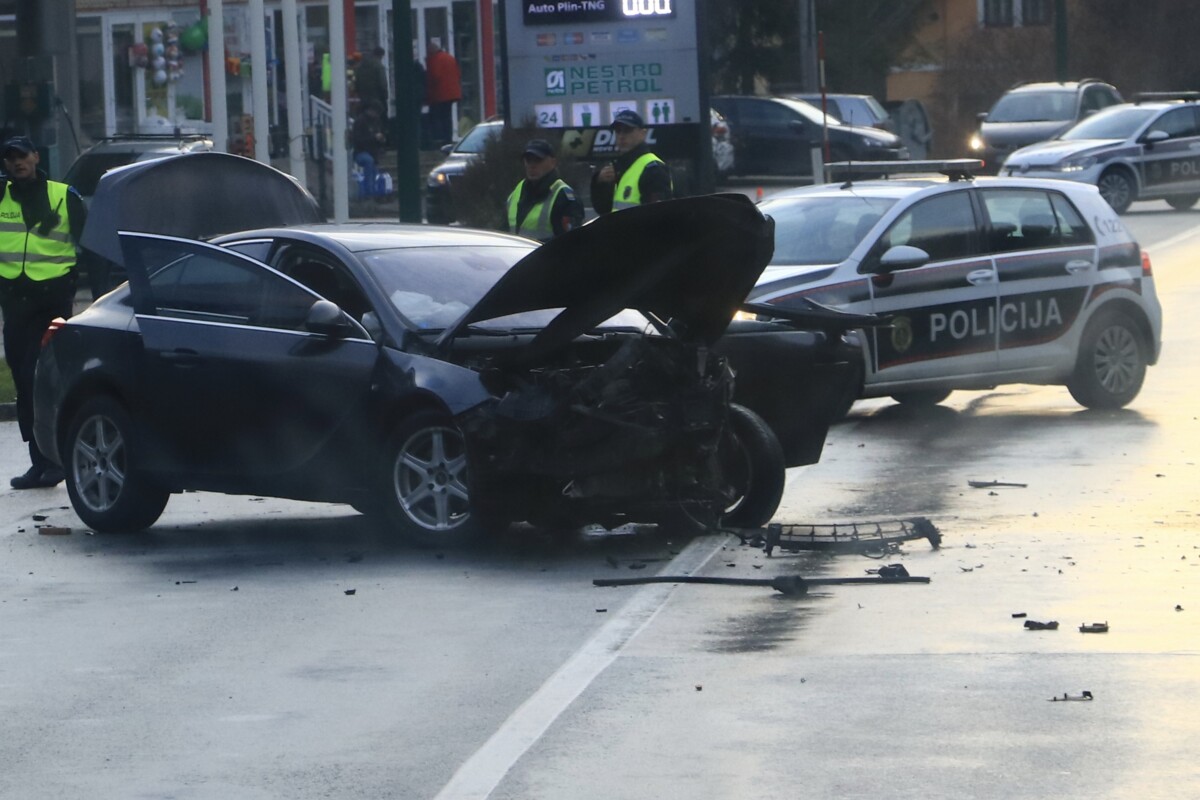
(902, 334)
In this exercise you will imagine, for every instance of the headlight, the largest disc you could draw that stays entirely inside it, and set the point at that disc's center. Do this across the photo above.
(438, 179)
(975, 142)
(868, 142)
(1076, 164)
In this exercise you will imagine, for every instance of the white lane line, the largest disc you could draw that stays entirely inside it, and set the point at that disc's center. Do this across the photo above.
(480, 774)
(1174, 240)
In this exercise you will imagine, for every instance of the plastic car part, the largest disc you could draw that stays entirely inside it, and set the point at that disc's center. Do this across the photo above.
(849, 537)
(1111, 364)
(791, 585)
(108, 491)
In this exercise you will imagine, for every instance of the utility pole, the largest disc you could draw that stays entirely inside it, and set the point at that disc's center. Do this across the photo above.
(1060, 39)
(407, 123)
(808, 46)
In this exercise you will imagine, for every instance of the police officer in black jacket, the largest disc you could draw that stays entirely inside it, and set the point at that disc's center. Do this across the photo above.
(543, 205)
(637, 176)
(40, 224)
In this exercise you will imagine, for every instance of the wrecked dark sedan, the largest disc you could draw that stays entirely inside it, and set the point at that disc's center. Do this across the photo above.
(446, 381)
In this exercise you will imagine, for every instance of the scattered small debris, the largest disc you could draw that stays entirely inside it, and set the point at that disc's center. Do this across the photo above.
(967, 569)
(1179, 608)
(39, 517)
(1019, 615)
(791, 585)
(601, 610)
(179, 582)
(991, 484)
(51, 530)
(351, 591)
(234, 589)
(1065, 697)
(699, 687)
(1034, 625)
(1095, 627)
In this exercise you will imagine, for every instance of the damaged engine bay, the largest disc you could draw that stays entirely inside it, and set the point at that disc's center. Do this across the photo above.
(618, 426)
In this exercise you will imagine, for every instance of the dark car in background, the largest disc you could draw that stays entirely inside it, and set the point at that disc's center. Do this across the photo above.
(776, 136)
(444, 381)
(1035, 112)
(117, 151)
(439, 199)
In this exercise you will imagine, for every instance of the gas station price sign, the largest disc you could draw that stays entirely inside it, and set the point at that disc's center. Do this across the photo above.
(583, 11)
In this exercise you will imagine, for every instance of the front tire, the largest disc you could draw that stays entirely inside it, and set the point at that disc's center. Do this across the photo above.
(426, 486)
(1117, 188)
(108, 491)
(1183, 202)
(752, 463)
(1111, 364)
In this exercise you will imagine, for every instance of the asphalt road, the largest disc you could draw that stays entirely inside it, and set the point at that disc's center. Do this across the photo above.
(221, 656)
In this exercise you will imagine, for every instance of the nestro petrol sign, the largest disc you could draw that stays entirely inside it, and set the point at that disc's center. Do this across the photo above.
(577, 63)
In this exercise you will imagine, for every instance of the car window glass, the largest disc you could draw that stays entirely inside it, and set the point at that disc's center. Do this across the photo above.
(259, 249)
(766, 115)
(1113, 123)
(204, 283)
(1034, 107)
(942, 226)
(1024, 219)
(1072, 229)
(1176, 123)
(821, 230)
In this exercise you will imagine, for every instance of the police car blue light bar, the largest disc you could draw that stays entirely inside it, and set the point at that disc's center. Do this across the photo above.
(1150, 97)
(954, 168)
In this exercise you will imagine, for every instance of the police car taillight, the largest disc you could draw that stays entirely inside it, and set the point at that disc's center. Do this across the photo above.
(54, 327)
(1147, 271)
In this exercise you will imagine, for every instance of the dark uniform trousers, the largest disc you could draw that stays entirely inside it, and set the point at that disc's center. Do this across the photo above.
(28, 308)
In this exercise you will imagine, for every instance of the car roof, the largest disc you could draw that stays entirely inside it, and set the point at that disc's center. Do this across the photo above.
(898, 189)
(359, 237)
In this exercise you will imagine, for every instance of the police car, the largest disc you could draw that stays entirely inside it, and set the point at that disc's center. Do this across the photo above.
(1134, 151)
(988, 281)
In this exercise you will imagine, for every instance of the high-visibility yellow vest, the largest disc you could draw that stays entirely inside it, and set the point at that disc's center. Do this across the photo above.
(627, 193)
(41, 255)
(539, 213)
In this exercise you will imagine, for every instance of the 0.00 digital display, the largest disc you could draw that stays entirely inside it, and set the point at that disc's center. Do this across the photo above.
(563, 11)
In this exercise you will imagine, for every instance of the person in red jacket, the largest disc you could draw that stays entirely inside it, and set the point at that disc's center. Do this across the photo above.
(443, 88)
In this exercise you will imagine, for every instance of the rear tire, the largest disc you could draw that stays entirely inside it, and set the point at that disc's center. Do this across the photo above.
(921, 399)
(1183, 202)
(107, 489)
(1111, 364)
(425, 490)
(1117, 188)
(752, 462)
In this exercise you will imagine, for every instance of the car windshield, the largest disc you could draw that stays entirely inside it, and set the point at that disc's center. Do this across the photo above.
(1034, 107)
(809, 111)
(432, 287)
(477, 138)
(821, 230)
(1119, 122)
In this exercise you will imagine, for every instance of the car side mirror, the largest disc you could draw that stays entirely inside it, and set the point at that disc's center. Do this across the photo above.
(326, 319)
(901, 257)
(1154, 137)
(982, 116)
(446, 148)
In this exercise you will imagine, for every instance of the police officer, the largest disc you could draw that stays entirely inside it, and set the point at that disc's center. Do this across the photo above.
(637, 176)
(543, 205)
(40, 223)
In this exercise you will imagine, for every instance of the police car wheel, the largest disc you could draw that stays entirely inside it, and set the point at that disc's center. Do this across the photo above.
(1116, 187)
(1111, 364)
(752, 463)
(921, 399)
(107, 490)
(1183, 202)
(426, 488)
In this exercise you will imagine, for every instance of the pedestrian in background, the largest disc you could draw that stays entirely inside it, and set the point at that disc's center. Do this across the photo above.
(443, 89)
(637, 176)
(371, 81)
(368, 139)
(40, 224)
(543, 205)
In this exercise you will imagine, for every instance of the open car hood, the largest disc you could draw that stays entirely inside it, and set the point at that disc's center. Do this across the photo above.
(690, 262)
(195, 196)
